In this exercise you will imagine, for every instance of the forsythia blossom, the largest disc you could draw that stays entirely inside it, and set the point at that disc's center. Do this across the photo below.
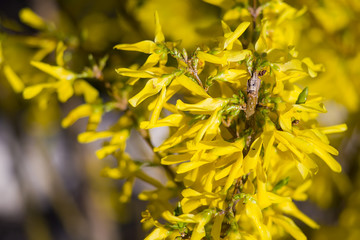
(244, 139)
(244, 143)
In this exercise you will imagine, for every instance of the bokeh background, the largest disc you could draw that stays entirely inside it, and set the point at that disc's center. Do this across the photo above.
(51, 186)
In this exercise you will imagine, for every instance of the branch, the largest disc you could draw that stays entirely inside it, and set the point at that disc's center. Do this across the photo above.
(146, 137)
(253, 86)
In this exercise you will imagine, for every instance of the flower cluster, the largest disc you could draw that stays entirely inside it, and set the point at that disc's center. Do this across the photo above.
(243, 142)
(244, 139)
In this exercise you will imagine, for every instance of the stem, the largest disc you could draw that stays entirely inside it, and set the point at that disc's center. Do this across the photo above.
(141, 175)
(194, 73)
(190, 68)
(167, 168)
(145, 135)
(253, 86)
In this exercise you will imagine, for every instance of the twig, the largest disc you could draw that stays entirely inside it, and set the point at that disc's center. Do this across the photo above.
(191, 66)
(146, 137)
(253, 86)
(193, 71)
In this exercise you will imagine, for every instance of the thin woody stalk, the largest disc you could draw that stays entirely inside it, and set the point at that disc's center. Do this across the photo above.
(253, 86)
(145, 136)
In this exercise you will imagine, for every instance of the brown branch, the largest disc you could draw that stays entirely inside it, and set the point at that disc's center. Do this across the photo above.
(148, 141)
(193, 71)
(146, 137)
(253, 86)
(190, 66)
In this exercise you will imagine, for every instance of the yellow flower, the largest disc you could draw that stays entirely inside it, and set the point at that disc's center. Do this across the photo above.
(67, 82)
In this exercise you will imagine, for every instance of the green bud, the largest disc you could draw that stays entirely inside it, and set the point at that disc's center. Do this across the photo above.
(281, 183)
(302, 96)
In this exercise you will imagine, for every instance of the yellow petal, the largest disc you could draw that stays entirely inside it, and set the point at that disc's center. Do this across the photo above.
(261, 45)
(226, 29)
(149, 90)
(94, 119)
(159, 36)
(216, 228)
(325, 146)
(328, 159)
(261, 194)
(254, 213)
(289, 226)
(90, 93)
(235, 172)
(158, 234)
(188, 166)
(221, 151)
(46, 47)
(114, 173)
(253, 156)
(150, 62)
(173, 120)
(285, 120)
(232, 75)
(158, 107)
(304, 171)
(126, 191)
(236, 34)
(312, 107)
(294, 64)
(65, 91)
(269, 149)
(298, 142)
(193, 87)
(189, 192)
(236, 56)
(55, 71)
(289, 146)
(33, 91)
(223, 173)
(300, 193)
(334, 129)
(75, 114)
(87, 137)
(209, 183)
(30, 18)
(210, 127)
(60, 49)
(212, 58)
(106, 150)
(199, 230)
(182, 133)
(291, 209)
(171, 90)
(189, 205)
(188, 218)
(313, 69)
(13, 79)
(143, 46)
(135, 73)
(206, 106)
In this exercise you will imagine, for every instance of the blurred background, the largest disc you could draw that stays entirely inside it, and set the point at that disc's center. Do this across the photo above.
(51, 186)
